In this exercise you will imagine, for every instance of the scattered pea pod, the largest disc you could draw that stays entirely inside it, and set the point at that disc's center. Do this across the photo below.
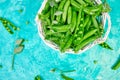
(105, 45)
(9, 26)
(116, 65)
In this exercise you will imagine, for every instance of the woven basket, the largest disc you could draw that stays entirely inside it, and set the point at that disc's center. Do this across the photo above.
(105, 17)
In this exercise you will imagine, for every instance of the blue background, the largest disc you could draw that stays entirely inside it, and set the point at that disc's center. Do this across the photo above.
(38, 58)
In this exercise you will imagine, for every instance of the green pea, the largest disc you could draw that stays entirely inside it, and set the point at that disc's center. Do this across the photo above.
(84, 43)
(64, 15)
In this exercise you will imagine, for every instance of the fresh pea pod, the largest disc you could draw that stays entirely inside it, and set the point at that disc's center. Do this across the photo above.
(81, 2)
(88, 25)
(75, 4)
(52, 12)
(69, 17)
(87, 35)
(86, 21)
(90, 2)
(8, 28)
(95, 23)
(68, 44)
(78, 20)
(61, 28)
(84, 43)
(64, 15)
(61, 5)
(105, 45)
(117, 64)
(46, 8)
(74, 19)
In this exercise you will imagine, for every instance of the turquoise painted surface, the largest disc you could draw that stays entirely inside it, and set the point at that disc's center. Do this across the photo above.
(38, 58)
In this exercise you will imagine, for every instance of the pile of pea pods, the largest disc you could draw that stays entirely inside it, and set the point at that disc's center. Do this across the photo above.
(72, 24)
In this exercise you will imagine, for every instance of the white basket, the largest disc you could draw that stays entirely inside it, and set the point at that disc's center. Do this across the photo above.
(105, 17)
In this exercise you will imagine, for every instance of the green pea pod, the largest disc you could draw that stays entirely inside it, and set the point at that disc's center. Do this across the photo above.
(81, 2)
(45, 16)
(64, 15)
(117, 64)
(87, 11)
(61, 5)
(8, 29)
(74, 19)
(68, 44)
(81, 27)
(90, 33)
(69, 17)
(90, 2)
(78, 20)
(46, 8)
(84, 43)
(87, 35)
(75, 4)
(86, 21)
(88, 25)
(52, 13)
(5, 24)
(95, 23)
(105, 45)
(61, 28)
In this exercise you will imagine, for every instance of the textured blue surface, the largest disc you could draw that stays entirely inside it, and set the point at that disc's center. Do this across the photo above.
(38, 58)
